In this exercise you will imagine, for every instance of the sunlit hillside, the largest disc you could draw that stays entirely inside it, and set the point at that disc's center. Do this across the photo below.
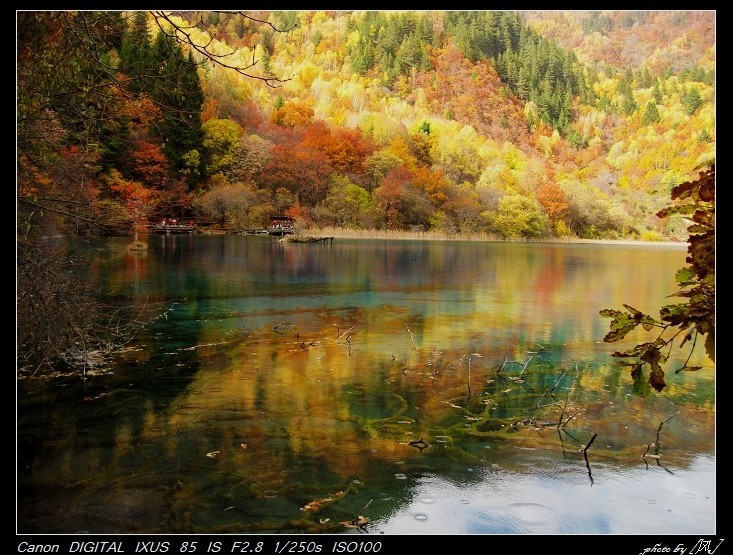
(541, 124)
(608, 172)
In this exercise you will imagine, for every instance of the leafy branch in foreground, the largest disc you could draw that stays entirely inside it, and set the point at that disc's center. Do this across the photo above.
(690, 320)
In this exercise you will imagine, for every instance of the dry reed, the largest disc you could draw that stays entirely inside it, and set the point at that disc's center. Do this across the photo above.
(432, 235)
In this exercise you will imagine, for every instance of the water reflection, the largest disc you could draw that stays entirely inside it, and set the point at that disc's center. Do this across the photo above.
(296, 387)
(622, 501)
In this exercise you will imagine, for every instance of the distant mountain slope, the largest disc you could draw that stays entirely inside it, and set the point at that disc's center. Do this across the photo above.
(671, 40)
(473, 94)
(579, 122)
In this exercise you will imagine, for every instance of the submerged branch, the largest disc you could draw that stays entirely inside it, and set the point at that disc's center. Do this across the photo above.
(506, 360)
(412, 337)
(592, 439)
(659, 430)
(564, 412)
(345, 333)
(585, 456)
(525, 365)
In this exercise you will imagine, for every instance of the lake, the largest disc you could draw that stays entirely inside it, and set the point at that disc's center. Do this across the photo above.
(393, 387)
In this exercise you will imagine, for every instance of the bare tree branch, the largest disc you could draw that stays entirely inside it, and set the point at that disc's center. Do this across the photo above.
(182, 34)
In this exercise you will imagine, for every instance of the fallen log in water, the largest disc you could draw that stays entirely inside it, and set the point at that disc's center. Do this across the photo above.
(305, 239)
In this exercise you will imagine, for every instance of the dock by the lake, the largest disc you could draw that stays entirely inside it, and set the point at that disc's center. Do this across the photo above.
(170, 229)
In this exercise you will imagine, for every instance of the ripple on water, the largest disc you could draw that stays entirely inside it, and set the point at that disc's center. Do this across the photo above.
(420, 516)
(533, 513)
(462, 520)
(629, 495)
(617, 507)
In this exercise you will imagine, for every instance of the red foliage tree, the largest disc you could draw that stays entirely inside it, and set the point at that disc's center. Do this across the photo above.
(402, 200)
(346, 149)
(299, 214)
(174, 200)
(135, 198)
(303, 171)
(389, 197)
(151, 165)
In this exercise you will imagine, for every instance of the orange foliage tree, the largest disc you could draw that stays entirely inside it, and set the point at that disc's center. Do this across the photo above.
(346, 149)
(135, 198)
(293, 114)
(151, 165)
(403, 202)
(553, 200)
(464, 208)
(434, 182)
(299, 214)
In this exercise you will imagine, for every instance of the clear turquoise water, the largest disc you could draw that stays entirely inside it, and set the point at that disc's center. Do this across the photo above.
(294, 387)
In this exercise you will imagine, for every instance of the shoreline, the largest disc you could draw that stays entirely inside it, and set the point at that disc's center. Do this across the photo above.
(341, 233)
(398, 235)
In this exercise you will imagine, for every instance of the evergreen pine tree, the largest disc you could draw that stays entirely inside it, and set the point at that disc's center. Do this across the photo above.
(651, 114)
(136, 54)
(691, 100)
(178, 89)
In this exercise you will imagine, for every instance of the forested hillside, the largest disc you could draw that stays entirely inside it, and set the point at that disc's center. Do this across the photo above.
(518, 124)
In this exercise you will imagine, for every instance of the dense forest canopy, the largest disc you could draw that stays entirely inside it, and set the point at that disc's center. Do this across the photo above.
(519, 124)
(514, 124)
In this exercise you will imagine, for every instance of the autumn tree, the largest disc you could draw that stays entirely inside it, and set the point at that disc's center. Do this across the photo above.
(292, 114)
(301, 170)
(299, 214)
(690, 321)
(552, 198)
(175, 199)
(404, 203)
(389, 197)
(135, 198)
(592, 214)
(518, 216)
(82, 80)
(234, 205)
(462, 209)
(346, 149)
(348, 205)
(378, 165)
(150, 164)
(250, 157)
(284, 199)
(221, 144)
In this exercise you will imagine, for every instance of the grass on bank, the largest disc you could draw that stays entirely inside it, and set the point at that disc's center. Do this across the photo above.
(394, 234)
(433, 235)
